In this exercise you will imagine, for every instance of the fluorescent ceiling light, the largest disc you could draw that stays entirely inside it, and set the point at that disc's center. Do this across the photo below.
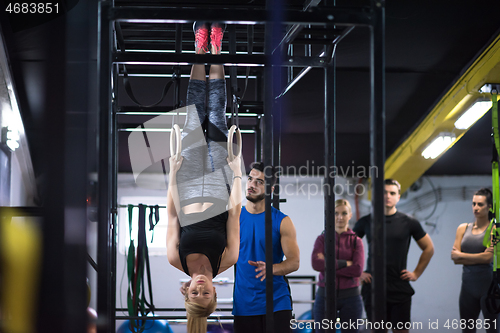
(476, 111)
(10, 136)
(438, 145)
(489, 87)
(13, 145)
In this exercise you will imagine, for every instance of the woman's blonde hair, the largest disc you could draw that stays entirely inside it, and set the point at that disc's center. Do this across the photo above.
(197, 314)
(343, 202)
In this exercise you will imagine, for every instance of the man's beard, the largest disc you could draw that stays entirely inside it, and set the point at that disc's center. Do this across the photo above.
(257, 198)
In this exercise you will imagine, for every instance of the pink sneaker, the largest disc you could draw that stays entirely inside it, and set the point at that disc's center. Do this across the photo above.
(216, 34)
(200, 37)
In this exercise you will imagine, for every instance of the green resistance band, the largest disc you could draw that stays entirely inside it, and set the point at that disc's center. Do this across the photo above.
(135, 304)
(492, 234)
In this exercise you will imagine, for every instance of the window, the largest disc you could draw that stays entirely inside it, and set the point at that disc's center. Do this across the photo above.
(156, 239)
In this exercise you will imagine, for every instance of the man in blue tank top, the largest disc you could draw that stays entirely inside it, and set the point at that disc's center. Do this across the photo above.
(249, 305)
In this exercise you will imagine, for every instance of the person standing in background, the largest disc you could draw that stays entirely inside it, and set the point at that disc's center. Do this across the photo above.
(249, 300)
(477, 271)
(349, 266)
(400, 228)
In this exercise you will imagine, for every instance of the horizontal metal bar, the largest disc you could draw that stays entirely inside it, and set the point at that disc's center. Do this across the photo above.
(303, 282)
(171, 50)
(146, 58)
(163, 30)
(165, 14)
(300, 277)
(168, 130)
(307, 41)
(294, 30)
(150, 113)
(296, 79)
(245, 107)
(168, 59)
(186, 4)
(182, 75)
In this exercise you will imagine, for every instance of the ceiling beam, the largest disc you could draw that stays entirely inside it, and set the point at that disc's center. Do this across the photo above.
(406, 163)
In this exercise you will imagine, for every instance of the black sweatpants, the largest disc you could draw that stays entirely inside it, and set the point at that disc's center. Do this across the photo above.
(476, 280)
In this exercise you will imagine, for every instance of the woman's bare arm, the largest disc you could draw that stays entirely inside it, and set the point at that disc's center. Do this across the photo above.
(231, 253)
(173, 206)
(461, 258)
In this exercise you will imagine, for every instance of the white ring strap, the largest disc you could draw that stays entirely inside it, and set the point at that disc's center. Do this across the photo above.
(230, 152)
(175, 136)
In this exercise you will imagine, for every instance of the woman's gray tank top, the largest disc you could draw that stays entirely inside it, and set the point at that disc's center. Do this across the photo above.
(472, 243)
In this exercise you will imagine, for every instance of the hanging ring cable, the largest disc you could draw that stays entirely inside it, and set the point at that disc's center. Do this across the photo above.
(126, 81)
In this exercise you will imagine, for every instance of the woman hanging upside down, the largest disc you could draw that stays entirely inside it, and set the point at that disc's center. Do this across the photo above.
(204, 194)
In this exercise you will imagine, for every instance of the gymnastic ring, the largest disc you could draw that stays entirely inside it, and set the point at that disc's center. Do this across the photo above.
(175, 136)
(230, 153)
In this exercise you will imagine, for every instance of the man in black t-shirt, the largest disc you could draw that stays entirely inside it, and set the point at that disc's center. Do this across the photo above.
(400, 228)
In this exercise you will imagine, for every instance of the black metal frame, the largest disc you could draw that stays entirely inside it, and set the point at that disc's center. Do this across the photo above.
(377, 159)
(272, 17)
(313, 284)
(106, 274)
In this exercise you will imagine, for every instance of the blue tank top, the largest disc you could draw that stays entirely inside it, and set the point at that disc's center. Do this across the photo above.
(249, 292)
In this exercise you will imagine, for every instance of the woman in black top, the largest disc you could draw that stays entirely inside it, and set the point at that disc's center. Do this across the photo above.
(204, 193)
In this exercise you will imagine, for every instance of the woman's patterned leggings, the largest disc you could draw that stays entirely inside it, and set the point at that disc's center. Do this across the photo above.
(204, 172)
